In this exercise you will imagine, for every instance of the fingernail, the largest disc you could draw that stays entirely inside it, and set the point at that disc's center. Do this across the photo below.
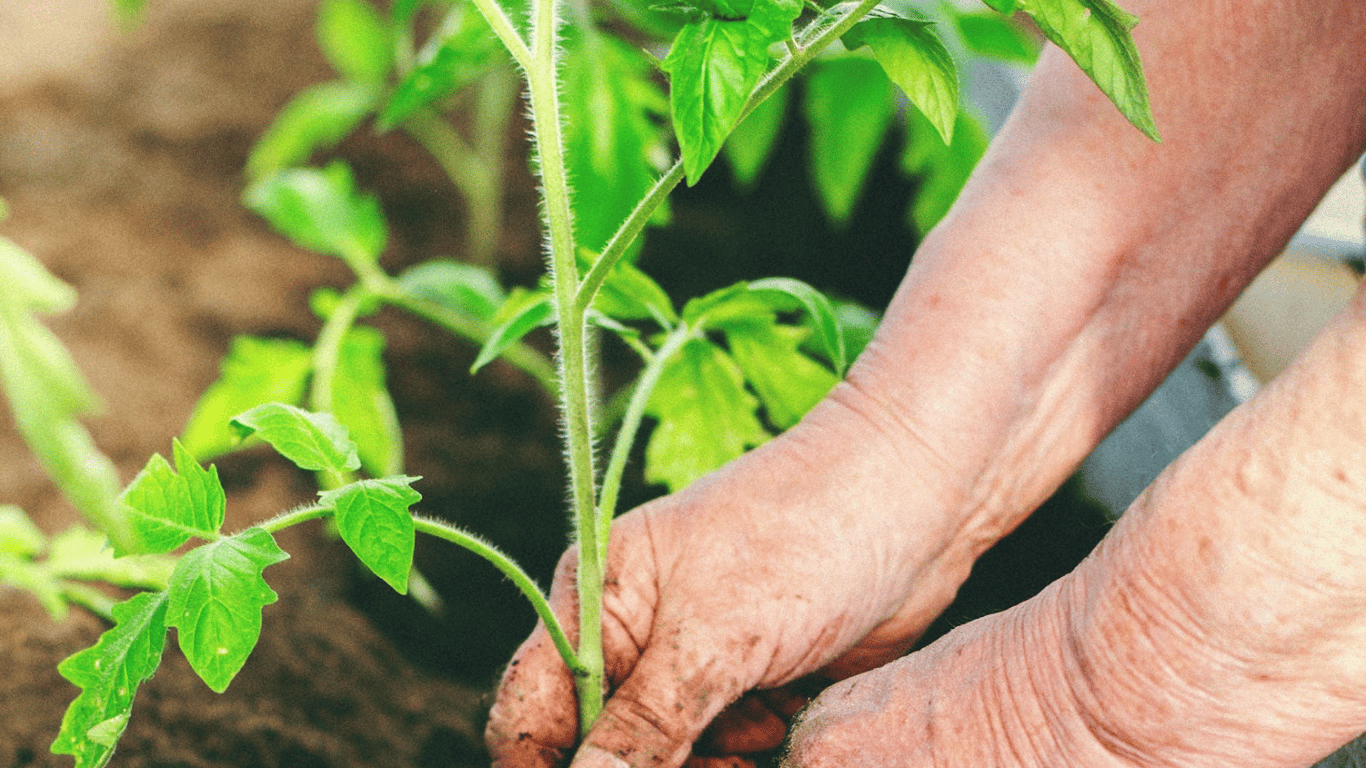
(592, 757)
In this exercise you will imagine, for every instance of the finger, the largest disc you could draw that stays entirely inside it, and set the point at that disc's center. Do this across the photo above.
(678, 686)
(534, 719)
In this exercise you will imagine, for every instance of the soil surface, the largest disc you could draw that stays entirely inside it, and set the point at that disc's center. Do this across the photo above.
(121, 165)
(120, 161)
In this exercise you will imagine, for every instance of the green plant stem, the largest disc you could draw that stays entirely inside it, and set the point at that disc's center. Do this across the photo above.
(294, 517)
(91, 599)
(519, 578)
(502, 26)
(630, 427)
(575, 388)
(473, 170)
(326, 357)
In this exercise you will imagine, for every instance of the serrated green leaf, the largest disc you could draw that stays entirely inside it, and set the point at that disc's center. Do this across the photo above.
(849, 105)
(706, 416)
(611, 105)
(313, 441)
(818, 308)
(754, 139)
(1095, 33)
(374, 521)
(464, 288)
(788, 382)
(361, 402)
(168, 507)
(108, 675)
(466, 50)
(216, 597)
(988, 34)
(523, 312)
(356, 40)
(914, 57)
(942, 170)
(18, 535)
(321, 210)
(714, 65)
(256, 371)
(314, 119)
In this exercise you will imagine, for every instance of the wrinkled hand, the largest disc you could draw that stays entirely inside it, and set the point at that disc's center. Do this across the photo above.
(1220, 623)
(824, 553)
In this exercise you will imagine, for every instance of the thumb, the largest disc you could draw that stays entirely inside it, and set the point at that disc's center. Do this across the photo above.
(676, 689)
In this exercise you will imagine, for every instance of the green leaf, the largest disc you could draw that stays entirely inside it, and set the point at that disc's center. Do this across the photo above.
(730, 304)
(46, 392)
(18, 535)
(314, 119)
(465, 288)
(1095, 33)
(465, 52)
(788, 382)
(167, 507)
(256, 371)
(754, 139)
(356, 40)
(108, 675)
(714, 65)
(313, 441)
(1002, 6)
(706, 416)
(991, 35)
(614, 144)
(630, 294)
(819, 308)
(523, 312)
(374, 521)
(914, 57)
(943, 170)
(216, 597)
(849, 105)
(320, 210)
(361, 402)
(857, 325)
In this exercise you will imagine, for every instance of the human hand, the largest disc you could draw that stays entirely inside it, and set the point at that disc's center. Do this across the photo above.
(1220, 622)
(825, 552)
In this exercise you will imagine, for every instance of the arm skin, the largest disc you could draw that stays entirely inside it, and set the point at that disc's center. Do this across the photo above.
(1080, 264)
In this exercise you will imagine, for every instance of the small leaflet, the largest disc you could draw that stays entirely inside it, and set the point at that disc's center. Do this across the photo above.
(313, 441)
(706, 416)
(108, 675)
(168, 508)
(216, 597)
(373, 519)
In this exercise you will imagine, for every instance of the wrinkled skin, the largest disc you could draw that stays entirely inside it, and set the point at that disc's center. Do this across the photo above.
(1215, 624)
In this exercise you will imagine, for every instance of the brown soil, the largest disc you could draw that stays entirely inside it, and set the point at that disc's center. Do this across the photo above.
(122, 175)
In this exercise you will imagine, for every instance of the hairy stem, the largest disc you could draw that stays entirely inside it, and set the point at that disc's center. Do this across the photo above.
(520, 579)
(575, 388)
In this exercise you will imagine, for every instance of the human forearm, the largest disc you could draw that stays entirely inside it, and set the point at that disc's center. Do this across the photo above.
(1083, 261)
